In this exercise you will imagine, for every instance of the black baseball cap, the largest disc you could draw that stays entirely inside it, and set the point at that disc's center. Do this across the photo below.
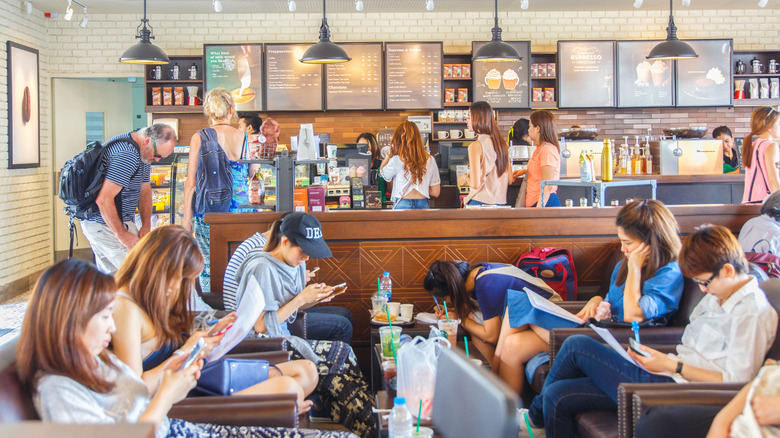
(306, 231)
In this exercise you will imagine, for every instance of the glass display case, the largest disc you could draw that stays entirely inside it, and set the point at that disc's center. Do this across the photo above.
(262, 186)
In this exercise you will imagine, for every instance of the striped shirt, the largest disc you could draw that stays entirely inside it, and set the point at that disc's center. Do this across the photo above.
(125, 168)
(230, 284)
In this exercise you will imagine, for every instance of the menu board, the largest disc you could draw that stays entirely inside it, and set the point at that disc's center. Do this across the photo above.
(503, 84)
(642, 82)
(414, 75)
(237, 68)
(291, 85)
(586, 72)
(357, 84)
(706, 80)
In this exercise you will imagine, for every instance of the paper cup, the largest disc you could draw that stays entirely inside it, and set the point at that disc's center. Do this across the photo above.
(394, 308)
(407, 311)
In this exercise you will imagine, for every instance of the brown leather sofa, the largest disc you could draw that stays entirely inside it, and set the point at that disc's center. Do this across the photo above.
(265, 410)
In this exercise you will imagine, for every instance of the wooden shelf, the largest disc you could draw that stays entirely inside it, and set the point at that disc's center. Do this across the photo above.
(178, 81)
(174, 108)
(758, 75)
(457, 104)
(756, 102)
(449, 123)
(536, 78)
(544, 105)
(457, 79)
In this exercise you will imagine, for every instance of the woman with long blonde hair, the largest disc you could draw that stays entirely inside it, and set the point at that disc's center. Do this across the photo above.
(761, 156)
(490, 169)
(413, 171)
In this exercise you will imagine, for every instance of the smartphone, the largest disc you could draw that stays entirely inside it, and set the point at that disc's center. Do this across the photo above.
(339, 289)
(193, 354)
(222, 332)
(634, 346)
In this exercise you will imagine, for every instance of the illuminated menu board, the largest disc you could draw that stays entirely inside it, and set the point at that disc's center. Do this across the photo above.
(414, 75)
(503, 84)
(586, 74)
(290, 84)
(707, 80)
(642, 82)
(237, 68)
(357, 84)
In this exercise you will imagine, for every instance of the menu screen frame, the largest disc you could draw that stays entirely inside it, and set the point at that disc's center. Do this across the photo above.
(387, 102)
(382, 96)
(269, 46)
(525, 62)
(686, 92)
(650, 79)
(562, 74)
(256, 67)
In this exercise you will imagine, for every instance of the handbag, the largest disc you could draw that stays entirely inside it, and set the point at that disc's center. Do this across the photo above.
(227, 375)
(520, 203)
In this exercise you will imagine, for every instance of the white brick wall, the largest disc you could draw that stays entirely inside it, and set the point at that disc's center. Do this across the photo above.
(25, 194)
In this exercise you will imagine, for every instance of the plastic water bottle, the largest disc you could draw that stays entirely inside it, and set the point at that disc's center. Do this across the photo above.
(400, 424)
(386, 286)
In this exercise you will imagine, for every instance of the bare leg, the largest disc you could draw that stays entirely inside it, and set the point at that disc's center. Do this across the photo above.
(487, 350)
(506, 330)
(300, 378)
(303, 371)
(518, 349)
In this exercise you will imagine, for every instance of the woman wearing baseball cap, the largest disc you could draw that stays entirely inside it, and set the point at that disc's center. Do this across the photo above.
(280, 270)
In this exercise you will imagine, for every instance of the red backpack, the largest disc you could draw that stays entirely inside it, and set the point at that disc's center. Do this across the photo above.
(555, 267)
(769, 263)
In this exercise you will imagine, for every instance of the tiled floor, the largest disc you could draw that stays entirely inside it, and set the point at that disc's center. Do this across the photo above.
(12, 315)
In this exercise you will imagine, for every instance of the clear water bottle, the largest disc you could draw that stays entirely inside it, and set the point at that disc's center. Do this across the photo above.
(400, 424)
(386, 286)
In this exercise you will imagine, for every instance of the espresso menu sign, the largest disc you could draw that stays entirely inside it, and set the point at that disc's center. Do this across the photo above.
(237, 68)
(586, 72)
(290, 84)
(414, 75)
(357, 84)
(503, 84)
(642, 82)
(706, 80)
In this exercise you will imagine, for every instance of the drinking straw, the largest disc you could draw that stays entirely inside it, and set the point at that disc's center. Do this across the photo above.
(387, 310)
(466, 343)
(392, 343)
(528, 425)
(378, 287)
(446, 313)
(419, 414)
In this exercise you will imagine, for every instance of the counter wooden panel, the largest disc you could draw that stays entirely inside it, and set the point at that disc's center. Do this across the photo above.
(368, 242)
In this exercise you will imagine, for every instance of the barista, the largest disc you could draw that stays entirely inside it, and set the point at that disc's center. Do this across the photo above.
(251, 125)
(730, 156)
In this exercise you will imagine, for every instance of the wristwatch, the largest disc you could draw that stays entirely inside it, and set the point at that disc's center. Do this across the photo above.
(678, 371)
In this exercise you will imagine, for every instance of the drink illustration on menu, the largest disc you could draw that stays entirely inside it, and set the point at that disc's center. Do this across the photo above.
(503, 84)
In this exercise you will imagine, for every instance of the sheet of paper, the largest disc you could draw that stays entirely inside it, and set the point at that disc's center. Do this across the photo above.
(615, 345)
(546, 306)
(249, 309)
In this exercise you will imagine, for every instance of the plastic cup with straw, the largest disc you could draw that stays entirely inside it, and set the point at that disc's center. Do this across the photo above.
(392, 338)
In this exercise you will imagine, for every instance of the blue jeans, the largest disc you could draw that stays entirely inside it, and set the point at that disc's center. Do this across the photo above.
(412, 204)
(552, 201)
(331, 323)
(584, 377)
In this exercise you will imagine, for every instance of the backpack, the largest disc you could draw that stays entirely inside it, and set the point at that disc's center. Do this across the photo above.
(213, 179)
(769, 263)
(555, 267)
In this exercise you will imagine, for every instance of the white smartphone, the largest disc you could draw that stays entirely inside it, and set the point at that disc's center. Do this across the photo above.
(634, 346)
(193, 354)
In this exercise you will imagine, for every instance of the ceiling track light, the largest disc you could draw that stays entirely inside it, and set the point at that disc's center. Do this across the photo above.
(762, 3)
(672, 48)
(292, 6)
(524, 5)
(84, 20)
(68, 12)
(686, 3)
(496, 49)
(428, 5)
(637, 4)
(28, 7)
(144, 52)
(324, 52)
(359, 5)
(217, 6)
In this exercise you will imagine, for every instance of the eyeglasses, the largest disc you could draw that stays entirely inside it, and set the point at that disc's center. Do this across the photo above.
(708, 281)
(154, 148)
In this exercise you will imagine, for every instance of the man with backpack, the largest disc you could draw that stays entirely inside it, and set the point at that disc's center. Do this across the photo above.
(127, 160)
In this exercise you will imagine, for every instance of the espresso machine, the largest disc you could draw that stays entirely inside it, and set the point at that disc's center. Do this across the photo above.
(696, 156)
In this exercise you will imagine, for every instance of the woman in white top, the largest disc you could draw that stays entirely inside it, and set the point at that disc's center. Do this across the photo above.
(413, 171)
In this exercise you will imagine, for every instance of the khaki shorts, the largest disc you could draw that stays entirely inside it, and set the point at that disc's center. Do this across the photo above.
(109, 251)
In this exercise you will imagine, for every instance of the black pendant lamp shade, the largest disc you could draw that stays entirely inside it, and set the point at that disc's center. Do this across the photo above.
(672, 48)
(144, 52)
(324, 52)
(496, 50)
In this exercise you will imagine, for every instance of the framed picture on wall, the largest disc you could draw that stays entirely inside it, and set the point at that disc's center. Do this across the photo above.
(24, 121)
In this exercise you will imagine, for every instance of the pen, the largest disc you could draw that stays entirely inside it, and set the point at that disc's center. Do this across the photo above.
(437, 303)
(635, 328)
(212, 322)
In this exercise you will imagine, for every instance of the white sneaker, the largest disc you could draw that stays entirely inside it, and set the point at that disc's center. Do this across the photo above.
(525, 422)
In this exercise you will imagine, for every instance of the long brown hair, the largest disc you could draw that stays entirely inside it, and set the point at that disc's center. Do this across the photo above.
(165, 254)
(407, 144)
(546, 123)
(649, 221)
(761, 120)
(483, 122)
(448, 279)
(710, 247)
(65, 298)
(275, 236)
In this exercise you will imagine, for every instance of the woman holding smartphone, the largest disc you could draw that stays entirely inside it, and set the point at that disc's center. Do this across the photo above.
(153, 319)
(62, 357)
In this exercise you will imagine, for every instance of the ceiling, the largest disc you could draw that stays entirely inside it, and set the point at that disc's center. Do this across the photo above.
(315, 6)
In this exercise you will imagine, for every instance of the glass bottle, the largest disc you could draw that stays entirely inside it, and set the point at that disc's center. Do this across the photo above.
(648, 162)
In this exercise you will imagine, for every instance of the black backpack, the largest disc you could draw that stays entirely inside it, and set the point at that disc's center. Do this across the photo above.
(213, 179)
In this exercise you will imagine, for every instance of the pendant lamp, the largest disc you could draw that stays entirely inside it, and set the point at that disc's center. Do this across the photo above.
(324, 52)
(144, 52)
(672, 48)
(496, 50)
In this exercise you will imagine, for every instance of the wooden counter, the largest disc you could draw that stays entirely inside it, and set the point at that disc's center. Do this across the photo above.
(405, 243)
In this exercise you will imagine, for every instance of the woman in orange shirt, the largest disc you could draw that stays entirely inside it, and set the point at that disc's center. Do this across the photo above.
(545, 163)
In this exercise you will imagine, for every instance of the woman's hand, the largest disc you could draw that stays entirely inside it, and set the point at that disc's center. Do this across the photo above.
(177, 383)
(310, 275)
(656, 363)
(463, 180)
(766, 409)
(589, 311)
(518, 173)
(439, 313)
(314, 293)
(637, 257)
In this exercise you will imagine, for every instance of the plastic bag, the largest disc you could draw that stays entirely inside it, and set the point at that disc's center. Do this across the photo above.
(417, 372)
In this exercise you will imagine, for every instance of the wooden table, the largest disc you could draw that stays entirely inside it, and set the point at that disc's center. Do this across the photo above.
(35, 429)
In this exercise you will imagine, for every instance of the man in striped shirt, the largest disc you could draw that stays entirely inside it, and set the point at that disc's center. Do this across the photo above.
(113, 233)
